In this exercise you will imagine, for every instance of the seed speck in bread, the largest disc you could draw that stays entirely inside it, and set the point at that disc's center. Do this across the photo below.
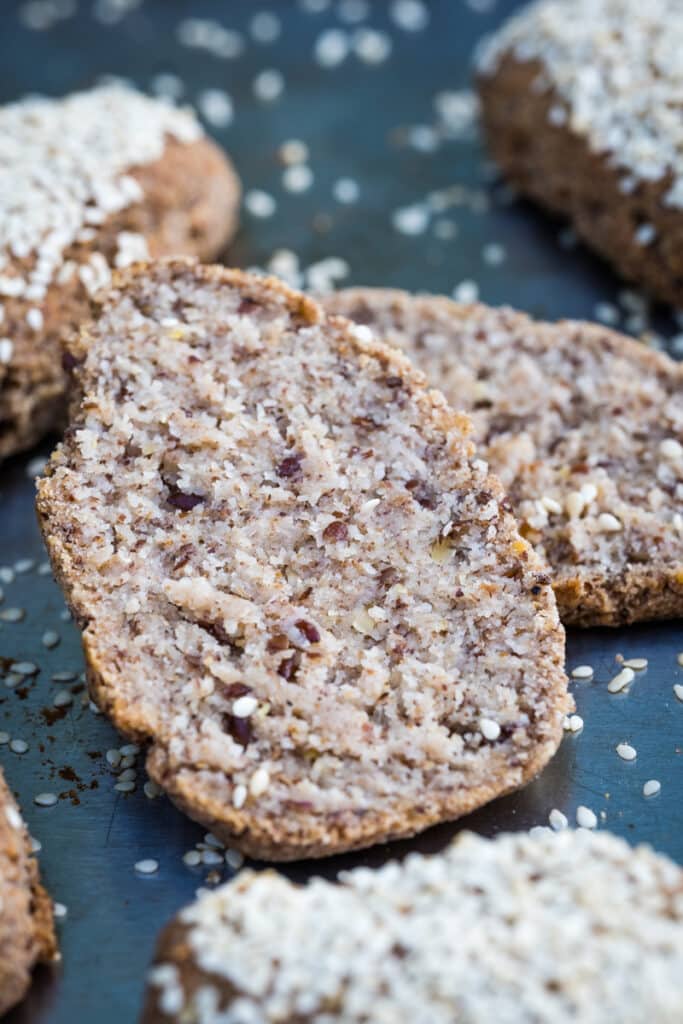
(294, 577)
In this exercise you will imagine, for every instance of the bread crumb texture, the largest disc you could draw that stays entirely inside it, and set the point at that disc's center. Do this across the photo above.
(97, 180)
(557, 927)
(26, 926)
(293, 575)
(583, 426)
(581, 101)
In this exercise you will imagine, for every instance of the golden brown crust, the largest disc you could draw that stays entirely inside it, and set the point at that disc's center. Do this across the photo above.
(26, 927)
(190, 207)
(556, 167)
(197, 789)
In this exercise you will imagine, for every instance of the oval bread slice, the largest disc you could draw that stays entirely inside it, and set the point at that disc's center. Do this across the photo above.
(91, 182)
(585, 429)
(294, 578)
(569, 927)
(26, 926)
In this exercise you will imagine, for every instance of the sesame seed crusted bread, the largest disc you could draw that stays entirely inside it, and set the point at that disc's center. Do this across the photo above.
(90, 182)
(294, 578)
(567, 927)
(26, 928)
(581, 107)
(585, 429)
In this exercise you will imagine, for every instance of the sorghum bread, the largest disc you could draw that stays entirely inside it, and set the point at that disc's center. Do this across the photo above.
(564, 927)
(26, 928)
(294, 578)
(90, 182)
(583, 426)
(581, 108)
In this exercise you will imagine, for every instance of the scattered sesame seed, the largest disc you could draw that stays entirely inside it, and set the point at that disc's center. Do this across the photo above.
(269, 85)
(124, 787)
(216, 107)
(582, 672)
(13, 680)
(259, 782)
(152, 790)
(346, 190)
(575, 723)
(234, 859)
(65, 615)
(36, 845)
(645, 234)
(626, 752)
(128, 775)
(259, 203)
(331, 48)
(62, 699)
(621, 680)
(168, 85)
(411, 220)
(294, 151)
(211, 840)
(371, 46)
(493, 254)
(24, 668)
(467, 292)
(352, 11)
(607, 523)
(45, 799)
(297, 178)
(637, 664)
(670, 448)
(558, 820)
(6, 574)
(50, 639)
(4, 738)
(606, 313)
(18, 746)
(239, 796)
(410, 15)
(6, 350)
(60, 911)
(652, 787)
(128, 761)
(585, 818)
(12, 614)
(192, 858)
(63, 677)
(129, 750)
(678, 690)
(489, 729)
(265, 27)
(211, 858)
(679, 658)
(147, 867)
(113, 758)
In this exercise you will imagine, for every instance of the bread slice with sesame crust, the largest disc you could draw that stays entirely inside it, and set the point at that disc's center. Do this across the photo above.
(567, 927)
(585, 429)
(580, 102)
(26, 926)
(88, 183)
(294, 578)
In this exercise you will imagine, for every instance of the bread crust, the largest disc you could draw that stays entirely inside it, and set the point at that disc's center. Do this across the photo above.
(190, 208)
(587, 595)
(26, 926)
(556, 167)
(196, 789)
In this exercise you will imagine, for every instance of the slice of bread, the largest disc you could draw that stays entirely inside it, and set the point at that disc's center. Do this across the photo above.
(26, 928)
(580, 105)
(583, 426)
(88, 183)
(293, 577)
(567, 927)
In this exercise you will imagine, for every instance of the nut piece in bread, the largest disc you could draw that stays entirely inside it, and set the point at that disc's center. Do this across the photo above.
(566, 927)
(90, 182)
(581, 110)
(583, 426)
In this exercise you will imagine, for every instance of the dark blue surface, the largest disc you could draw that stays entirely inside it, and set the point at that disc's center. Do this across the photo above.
(349, 117)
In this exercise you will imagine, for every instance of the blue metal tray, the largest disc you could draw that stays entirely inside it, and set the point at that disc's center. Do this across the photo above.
(359, 121)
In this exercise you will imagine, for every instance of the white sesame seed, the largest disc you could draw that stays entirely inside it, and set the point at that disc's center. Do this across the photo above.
(129, 750)
(670, 448)
(626, 752)
(678, 690)
(239, 796)
(124, 787)
(62, 699)
(215, 106)
(607, 523)
(294, 151)
(152, 790)
(6, 574)
(331, 48)
(585, 818)
(34, 319)
(259, 203)
(60, 911)
(558, 820)
(652, 787)
(493, 254)
(582, 672)
(147, 867)
(45, 799)
(13, 680)
(18, 746)
(63, 677)
(297, 178)
(645, 234)
(24, 668)
(606, 313)
(410, 15)
(192, 858)
(113, 758)
(489, 729)
(6, 350)
(259, 782)
(128, 775)
(466, 291)
(50, 639)
(346, 190)
(352, 11)
(13, 817)
(168, 85)
(269, 85)
(575, 723)
(36, 845)
(12, 614)
(679, 658)
(244, 706)
(265, 27)
(621, 680)
(371, 46)
(234, 859)
(211, 858)
(211, 840)
(637, 664)
(4, 738)
(411, 220)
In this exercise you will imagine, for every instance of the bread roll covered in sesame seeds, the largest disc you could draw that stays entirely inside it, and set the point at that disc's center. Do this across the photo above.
(94, 181)
(583, 426)
(558, 928)
(581, 106)
(26, 927)
(294, 578)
